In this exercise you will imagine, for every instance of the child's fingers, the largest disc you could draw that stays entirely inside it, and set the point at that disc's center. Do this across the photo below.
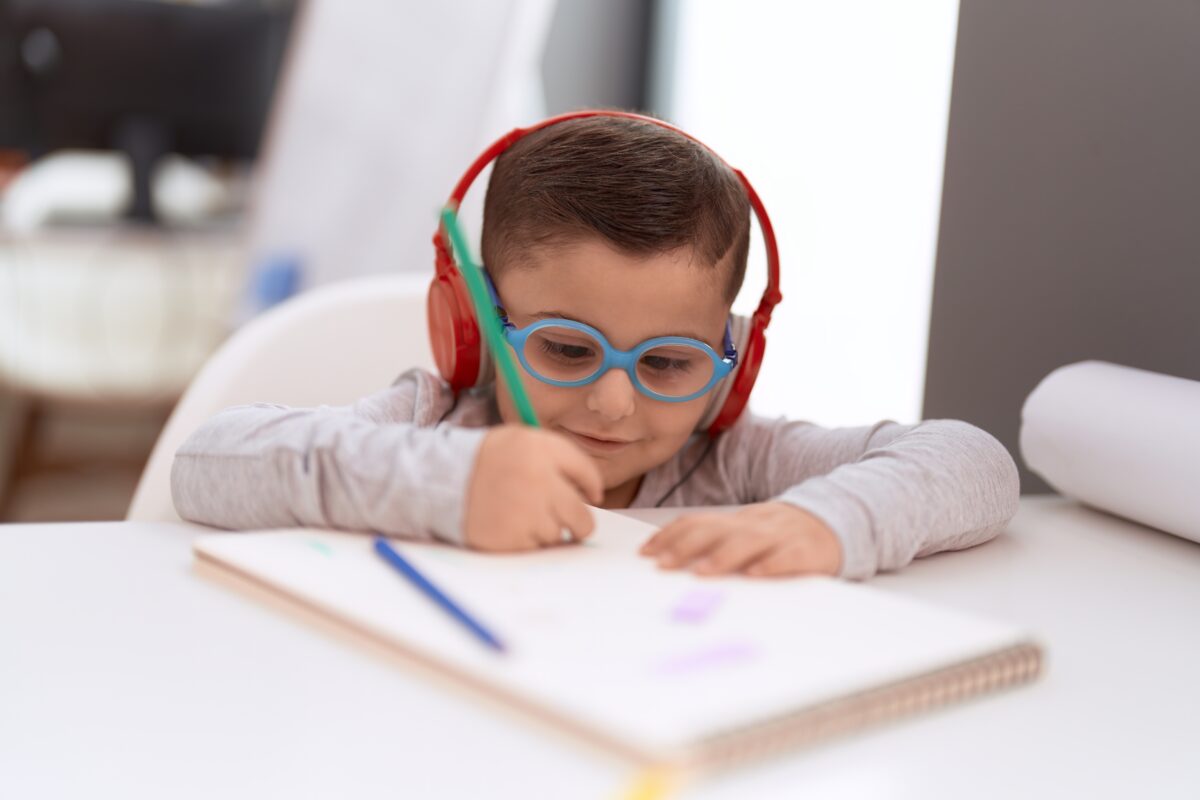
(734, 553)
(548, 533)
(668, 533)
(572, 513)
(692, 543)
(515, 535)
(581, 471)
(651, 545)
(788, 559)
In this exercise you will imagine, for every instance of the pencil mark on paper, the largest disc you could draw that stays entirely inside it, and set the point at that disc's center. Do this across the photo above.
(696, 606)
(716, 656)
(319, 546)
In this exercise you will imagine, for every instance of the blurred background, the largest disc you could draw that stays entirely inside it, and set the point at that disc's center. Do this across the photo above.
(966, 194)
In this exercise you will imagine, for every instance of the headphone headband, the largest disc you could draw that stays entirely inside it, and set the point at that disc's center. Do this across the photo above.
(455, 335)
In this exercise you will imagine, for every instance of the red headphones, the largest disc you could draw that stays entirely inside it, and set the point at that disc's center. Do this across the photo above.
(454, 332)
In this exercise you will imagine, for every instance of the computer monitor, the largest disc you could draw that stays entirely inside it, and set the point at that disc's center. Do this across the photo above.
(141, 76)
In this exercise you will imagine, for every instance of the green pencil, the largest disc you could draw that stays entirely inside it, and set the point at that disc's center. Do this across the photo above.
(489, 320)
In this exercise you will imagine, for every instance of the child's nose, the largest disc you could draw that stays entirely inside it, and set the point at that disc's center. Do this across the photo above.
(612, 395)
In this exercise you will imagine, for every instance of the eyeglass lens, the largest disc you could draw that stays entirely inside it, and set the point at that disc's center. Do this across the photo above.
(568, 355)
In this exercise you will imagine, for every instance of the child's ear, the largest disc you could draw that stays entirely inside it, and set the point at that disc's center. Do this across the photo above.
(740, 330)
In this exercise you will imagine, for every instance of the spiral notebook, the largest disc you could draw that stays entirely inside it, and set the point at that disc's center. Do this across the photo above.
(665, 667)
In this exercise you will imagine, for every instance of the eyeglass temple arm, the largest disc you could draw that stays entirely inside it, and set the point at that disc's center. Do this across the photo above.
(730, 351)
(491, 287)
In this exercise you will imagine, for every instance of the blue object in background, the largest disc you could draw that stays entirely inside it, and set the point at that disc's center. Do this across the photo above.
(274, 280)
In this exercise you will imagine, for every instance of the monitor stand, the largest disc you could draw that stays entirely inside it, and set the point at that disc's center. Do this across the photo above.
(145, 140)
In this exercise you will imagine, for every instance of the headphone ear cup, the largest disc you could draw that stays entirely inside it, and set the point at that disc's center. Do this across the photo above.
(453, 332)
(454, 335)
(740, 330)
(487, 370)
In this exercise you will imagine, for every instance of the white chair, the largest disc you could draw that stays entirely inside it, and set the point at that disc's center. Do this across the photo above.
(328, 346)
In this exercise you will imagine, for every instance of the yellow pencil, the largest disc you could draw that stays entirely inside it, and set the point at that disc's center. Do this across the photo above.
(653, 783)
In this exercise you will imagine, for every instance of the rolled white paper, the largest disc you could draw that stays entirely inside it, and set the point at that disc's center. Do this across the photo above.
(1124, 440)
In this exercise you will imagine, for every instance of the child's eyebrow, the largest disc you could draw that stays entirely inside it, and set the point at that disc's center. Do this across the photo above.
(563, 315)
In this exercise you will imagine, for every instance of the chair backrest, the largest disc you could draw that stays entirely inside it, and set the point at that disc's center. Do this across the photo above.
(328, 346)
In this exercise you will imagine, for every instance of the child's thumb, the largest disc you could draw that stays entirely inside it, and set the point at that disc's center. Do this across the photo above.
(584, 473)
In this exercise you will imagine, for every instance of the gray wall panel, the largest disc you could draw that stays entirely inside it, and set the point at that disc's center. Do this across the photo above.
(1070, 224)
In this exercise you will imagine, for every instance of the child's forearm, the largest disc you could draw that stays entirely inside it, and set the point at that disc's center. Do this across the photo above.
(270, 466)
(940, 485)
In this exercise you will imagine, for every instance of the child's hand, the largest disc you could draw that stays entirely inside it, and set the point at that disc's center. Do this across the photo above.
(527, 487)
(762, 539)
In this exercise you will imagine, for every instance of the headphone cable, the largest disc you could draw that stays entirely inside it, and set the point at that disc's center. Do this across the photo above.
(707, 449)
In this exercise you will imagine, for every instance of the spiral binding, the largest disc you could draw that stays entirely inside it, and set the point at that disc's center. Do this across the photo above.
(1015, 665)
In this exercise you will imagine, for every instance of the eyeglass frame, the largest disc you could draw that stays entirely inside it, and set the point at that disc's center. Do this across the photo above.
(625, 360)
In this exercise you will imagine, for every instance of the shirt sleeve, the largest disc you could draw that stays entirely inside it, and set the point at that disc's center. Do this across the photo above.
(889, 492)
(368, 466)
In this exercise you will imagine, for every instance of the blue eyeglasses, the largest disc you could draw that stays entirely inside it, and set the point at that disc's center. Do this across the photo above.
(563, 352)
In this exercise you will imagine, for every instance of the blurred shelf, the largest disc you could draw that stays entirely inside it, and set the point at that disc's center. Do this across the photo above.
(101, 330)
(115, 314)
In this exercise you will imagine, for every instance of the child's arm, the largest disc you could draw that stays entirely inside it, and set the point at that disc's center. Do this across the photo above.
(849, 501)
(381, 465)
(265, 466)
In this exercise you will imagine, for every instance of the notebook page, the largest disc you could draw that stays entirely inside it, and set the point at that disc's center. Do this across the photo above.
(602, 637)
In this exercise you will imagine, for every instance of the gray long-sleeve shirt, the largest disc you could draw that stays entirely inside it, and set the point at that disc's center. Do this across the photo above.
(399, 462)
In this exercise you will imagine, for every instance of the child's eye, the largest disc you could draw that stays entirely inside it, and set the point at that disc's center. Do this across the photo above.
(665, 364)
(564, 350)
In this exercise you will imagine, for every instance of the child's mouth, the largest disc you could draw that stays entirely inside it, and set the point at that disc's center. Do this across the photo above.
(596, 445)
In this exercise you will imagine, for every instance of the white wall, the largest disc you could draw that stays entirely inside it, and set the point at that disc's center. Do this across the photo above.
(837, 113)
(382, 106)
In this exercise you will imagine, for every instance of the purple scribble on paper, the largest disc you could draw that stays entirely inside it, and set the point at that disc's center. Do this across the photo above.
(696, 606)
(715, 656)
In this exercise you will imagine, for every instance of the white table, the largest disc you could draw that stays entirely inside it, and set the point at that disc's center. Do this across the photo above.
(123, 674)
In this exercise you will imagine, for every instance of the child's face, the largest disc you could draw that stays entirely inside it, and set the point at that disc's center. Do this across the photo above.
(628, 299)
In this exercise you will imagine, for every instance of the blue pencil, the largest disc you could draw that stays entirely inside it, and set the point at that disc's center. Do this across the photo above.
(406, 569)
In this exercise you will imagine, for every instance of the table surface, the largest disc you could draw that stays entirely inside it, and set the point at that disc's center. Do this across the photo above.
(124, 674)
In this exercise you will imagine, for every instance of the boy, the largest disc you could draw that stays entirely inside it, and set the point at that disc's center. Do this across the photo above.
(637, 232)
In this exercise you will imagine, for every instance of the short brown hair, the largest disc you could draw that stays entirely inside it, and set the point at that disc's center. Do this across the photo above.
(643, 188)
